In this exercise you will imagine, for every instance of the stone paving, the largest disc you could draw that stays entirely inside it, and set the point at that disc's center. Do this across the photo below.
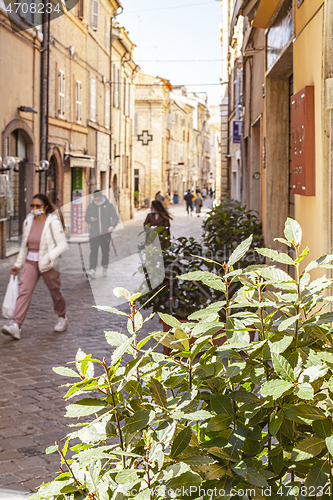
(31, 400)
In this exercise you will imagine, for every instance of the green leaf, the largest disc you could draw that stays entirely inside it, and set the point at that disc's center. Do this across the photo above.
(171, 321)
(237, 440)
(210, 279)
(158, 392)
(304, 414)
(313, 373)
(197, 460)
(122, 292)
(181, 441)
(85, 407)
(305, 391)
(275, 423)
(111, 310)
(279, 343)
(115, 339)
(244, 397)
(282, 240)
(215, 472)
(251, 475)
(307, 448)
(219, 423)
(240, 251)
(273, 255)
(93, 433)
(197, 415)
(329, 444)
(322, 428)
(185, 480)
(51, 449)
(133, 387)
(283, 367)
(285, 324)
(293, 231)
(277, 462)
(137, 422)
(221, 404)
(66, 372)
(120, 351)
(127, 476)
(318, 475)
(276, 388)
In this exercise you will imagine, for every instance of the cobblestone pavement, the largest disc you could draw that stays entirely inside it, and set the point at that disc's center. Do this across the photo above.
(31, 400)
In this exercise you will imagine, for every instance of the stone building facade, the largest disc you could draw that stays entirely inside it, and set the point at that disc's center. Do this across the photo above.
(20, 44)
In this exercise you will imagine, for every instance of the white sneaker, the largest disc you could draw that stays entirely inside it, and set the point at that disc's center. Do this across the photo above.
(92, 274)
(105, 272)
(13, 329)
(61, 324)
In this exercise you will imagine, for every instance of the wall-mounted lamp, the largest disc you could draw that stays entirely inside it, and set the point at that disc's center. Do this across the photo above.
(10, 164)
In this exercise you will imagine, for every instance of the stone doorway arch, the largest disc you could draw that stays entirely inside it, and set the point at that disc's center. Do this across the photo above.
(54, 178)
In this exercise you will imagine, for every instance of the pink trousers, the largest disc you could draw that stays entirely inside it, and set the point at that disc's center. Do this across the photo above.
(28, 280)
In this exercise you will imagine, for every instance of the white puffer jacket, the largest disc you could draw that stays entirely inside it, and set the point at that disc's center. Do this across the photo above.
(52, 243)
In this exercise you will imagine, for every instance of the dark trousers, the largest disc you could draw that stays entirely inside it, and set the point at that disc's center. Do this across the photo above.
(102, 241)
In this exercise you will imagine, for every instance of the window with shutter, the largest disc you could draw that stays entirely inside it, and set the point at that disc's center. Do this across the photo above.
(107, 109)
(136, 123)
(93, 100)
(107, 34)
(94, 14)
(61, 93)
(78, 100)
(80, 9)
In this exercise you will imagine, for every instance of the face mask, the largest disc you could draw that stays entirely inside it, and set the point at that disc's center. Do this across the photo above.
(37, 212)
(153, 211)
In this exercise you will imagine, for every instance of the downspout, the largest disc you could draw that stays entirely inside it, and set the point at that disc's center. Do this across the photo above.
(43, 78)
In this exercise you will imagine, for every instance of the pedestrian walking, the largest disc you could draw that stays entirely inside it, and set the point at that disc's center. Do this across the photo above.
(204, 193)
(102, 219)
(43, 241)
(159, 197)
(198, 204)
(159, 218)
(167, 201)
(188, 199)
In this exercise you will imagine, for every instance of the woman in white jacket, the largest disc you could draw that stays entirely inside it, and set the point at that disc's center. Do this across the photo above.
(43, 241)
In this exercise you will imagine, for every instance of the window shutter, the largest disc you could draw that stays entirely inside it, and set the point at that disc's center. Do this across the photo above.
(94, 14)
(78, 88)
(93, 100)
(107, 109)
(107, 34)
(61, 93)
(127, 96)
(136, 123)
(119, 87)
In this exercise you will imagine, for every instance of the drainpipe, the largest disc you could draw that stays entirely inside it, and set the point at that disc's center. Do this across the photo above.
(43, 92)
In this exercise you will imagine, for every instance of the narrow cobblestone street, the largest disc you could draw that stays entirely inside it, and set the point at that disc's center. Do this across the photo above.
(31, 401)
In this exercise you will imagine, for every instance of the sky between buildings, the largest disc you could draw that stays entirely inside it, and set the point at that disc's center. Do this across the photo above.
(177, 30)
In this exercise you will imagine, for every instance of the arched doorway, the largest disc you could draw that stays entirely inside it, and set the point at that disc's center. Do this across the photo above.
(115, 187)
(17, 196)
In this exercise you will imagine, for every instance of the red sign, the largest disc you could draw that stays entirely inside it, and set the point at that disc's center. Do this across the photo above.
(303, 142)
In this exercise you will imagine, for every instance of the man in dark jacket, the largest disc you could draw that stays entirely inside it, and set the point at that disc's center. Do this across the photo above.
(188, 199)
(102, 218)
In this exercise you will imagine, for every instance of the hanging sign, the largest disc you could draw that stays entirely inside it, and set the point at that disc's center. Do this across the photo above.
(237, 131)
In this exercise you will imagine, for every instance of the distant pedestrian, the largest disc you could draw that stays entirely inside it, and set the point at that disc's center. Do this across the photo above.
(211, 193)
(204, 193)
(43, 241)
(159, 197)
(167, 201)
(189, 203)
(102, 219)
(198, 204)
(158, 219)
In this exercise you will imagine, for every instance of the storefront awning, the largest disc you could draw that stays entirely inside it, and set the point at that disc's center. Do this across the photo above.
(80, 160)
(265, 12)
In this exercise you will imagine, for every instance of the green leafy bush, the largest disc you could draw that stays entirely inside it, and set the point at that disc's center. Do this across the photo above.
(183, 255)
(227, 225)
(248, 420)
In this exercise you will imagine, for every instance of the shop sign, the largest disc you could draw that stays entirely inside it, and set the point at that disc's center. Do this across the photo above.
(280, 33)
(303, 142)
(77, 197)
(237, 131)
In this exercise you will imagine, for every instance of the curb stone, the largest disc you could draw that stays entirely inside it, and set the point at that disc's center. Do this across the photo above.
(13, 495)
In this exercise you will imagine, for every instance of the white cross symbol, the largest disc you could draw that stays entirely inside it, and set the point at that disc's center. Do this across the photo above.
(145, 137)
